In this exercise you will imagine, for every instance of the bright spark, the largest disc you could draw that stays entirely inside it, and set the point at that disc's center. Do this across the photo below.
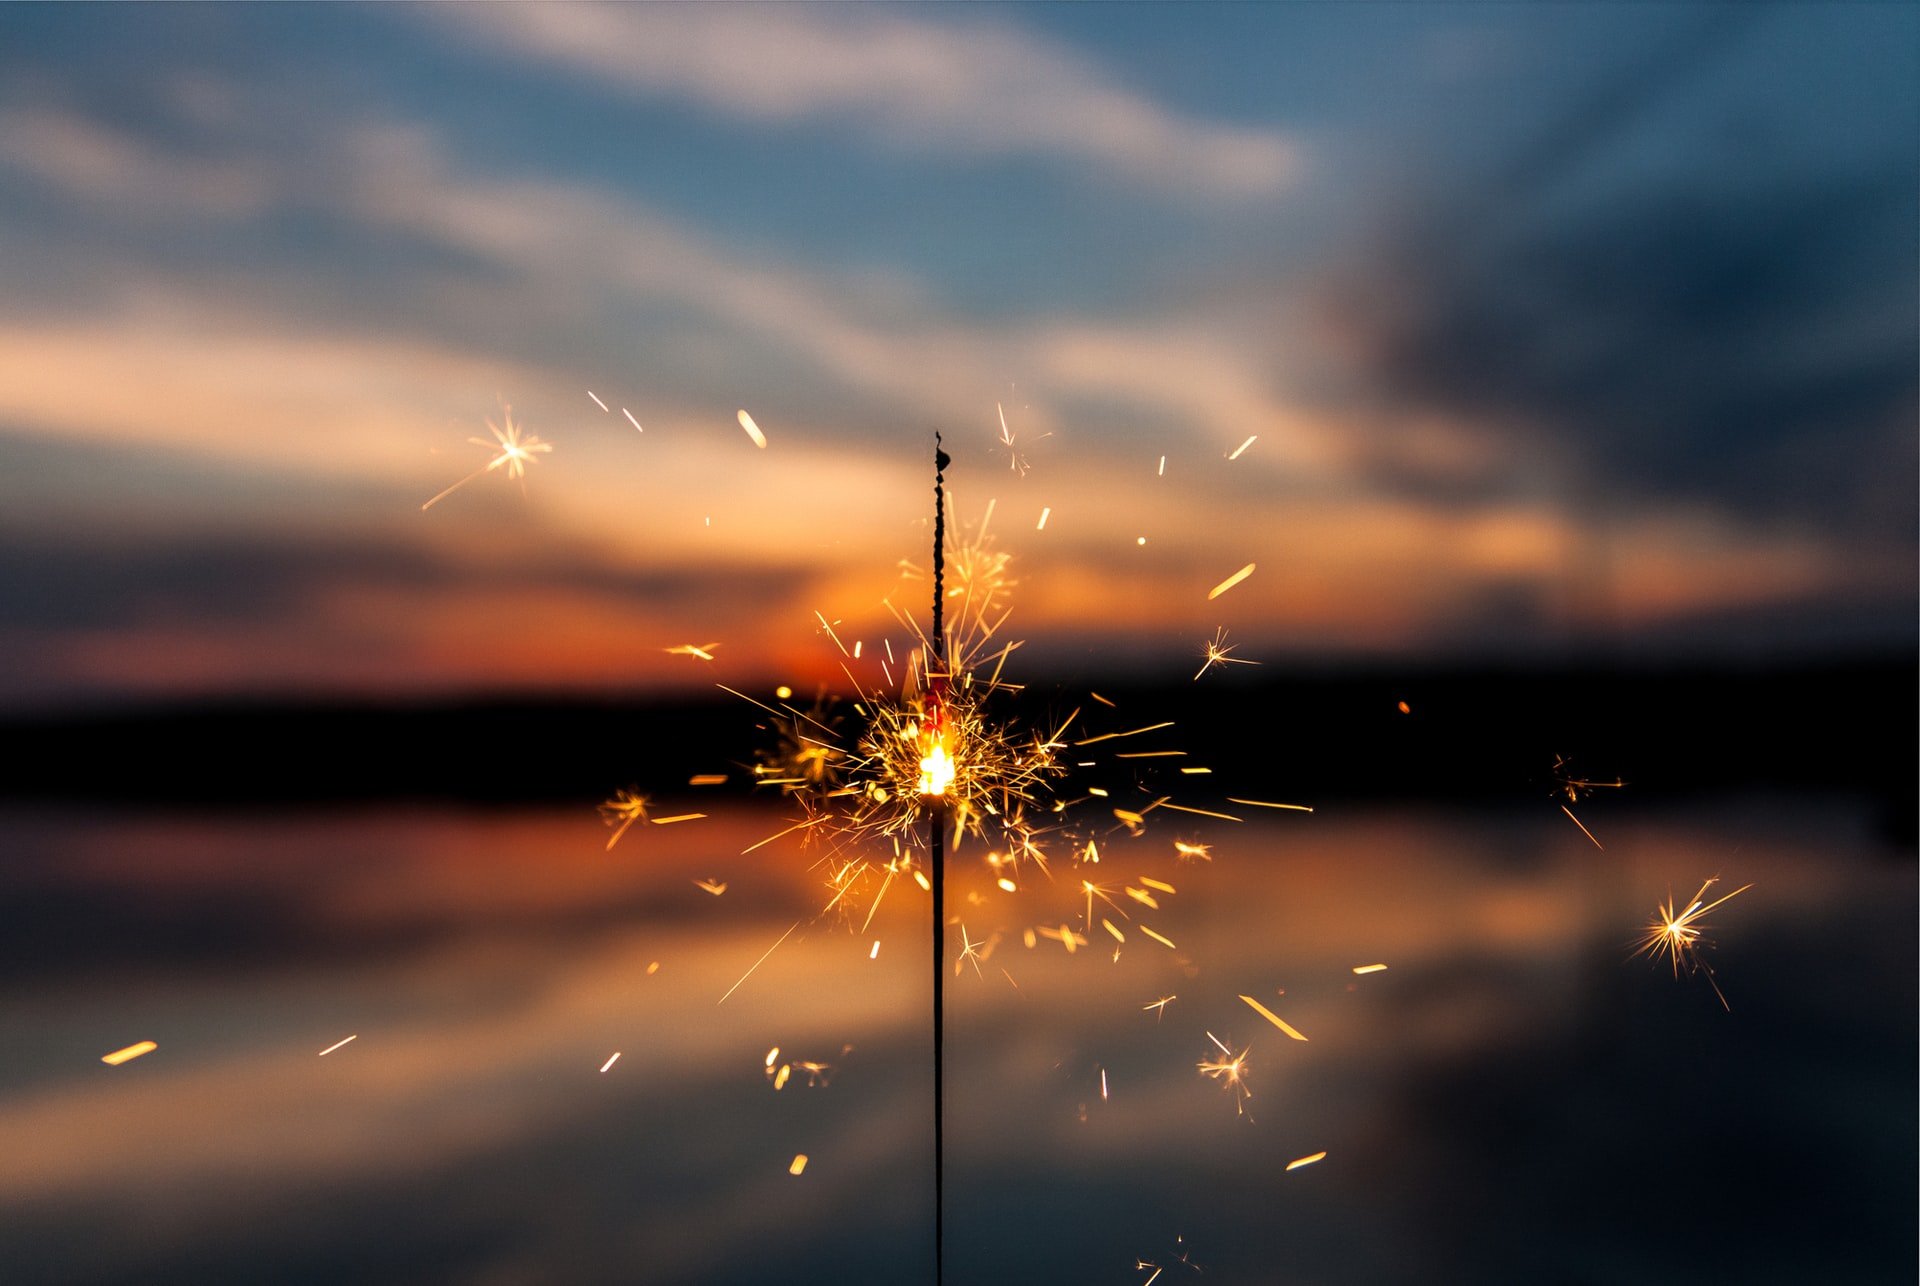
(1372, 968)
(610, 1062)
(1273, 1018)
(128, 1054)
(515, 453)
(1159, 1007)
(338, 1043)
(1678, 937)
(1230, 1069)
(1230, 582)
(1216, 653)
(1261, 803)
(702, 650)
(1307, 1160)
(756, 964)
(1235, 453)
(623, 810)
(759, 439)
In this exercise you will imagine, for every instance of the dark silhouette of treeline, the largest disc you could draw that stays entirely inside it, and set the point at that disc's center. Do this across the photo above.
(1481, 736)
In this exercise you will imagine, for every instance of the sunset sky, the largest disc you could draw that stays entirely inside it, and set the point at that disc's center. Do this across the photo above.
(1561, 331)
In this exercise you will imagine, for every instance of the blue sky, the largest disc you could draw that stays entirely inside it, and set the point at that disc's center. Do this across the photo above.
(1557, 327)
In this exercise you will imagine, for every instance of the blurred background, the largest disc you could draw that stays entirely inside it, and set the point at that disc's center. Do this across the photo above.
(1555, 368)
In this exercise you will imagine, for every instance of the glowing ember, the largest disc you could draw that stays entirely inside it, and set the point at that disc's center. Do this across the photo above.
(128, 1054)
(1306, 1160)
(759, 440)
(1230, 1069)
(1678, 936)
(338, 1043)
(515, 453)
(1273, 1018)
(1230, 582)
(1215, 653)
(799, 1160)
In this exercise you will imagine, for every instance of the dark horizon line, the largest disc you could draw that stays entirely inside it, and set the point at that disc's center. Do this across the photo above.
(1488, 735)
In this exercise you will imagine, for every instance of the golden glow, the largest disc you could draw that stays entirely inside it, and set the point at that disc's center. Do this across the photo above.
(516, 452)
(1678, 936)
(1273, 1018)
(1306, 1160)
(759, 440)
(128, 1054)
(1230, 1069)
(1216, 653)
(1230, 582)
(936, 771)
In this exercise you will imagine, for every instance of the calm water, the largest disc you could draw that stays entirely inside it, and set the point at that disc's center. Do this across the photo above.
(1511, 1101)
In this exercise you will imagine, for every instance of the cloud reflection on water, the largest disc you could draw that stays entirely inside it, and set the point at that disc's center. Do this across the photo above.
(1499, 1105)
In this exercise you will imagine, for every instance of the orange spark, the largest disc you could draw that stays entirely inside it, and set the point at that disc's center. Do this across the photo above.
(128, 1054)
(1273, 1018)
(1230, 582)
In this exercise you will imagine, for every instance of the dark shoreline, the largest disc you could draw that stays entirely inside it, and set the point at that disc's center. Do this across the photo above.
(1470, 735)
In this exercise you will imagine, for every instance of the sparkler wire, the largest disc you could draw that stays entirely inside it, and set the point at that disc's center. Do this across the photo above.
(936, 862)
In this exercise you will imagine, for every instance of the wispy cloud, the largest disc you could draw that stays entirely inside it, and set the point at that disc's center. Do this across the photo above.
(967, 88)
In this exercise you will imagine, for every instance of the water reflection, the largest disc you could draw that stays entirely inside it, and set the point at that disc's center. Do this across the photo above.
(1509, 1101)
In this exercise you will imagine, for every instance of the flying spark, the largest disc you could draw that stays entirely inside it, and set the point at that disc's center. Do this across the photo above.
(1230, 582)
(1678, 937)
(1273, 1018)
(515, 453)
(128, 1054)
(702, 650)
(610, 1062)
(1235, 453)
(1230, 1069)
(753, 430)
(338, 1043)
(623, 810)
(1216, 653)
(1306, 1160)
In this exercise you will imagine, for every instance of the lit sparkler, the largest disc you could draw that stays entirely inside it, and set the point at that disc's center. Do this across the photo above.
(515, 452)
(1678, 936)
